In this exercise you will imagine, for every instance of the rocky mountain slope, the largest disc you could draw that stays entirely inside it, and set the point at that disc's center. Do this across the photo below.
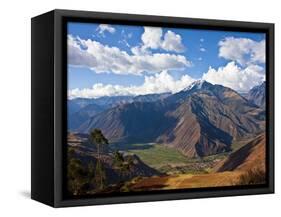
(134, 122)
(209, 119)
(251, 156)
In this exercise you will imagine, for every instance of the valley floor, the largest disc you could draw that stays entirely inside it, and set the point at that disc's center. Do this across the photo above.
(170, 161)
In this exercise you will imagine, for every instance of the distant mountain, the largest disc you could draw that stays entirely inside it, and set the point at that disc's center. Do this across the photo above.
(137, 121)
(81, 109)
(74, 105)
(202, 119)
(257, 95)
(151, 97)
(250, 156)
(77, 118)
(111, 101)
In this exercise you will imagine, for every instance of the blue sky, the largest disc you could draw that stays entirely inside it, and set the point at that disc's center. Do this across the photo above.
(201, 49)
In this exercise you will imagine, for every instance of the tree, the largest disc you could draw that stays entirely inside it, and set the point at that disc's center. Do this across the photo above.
(76, 174)
(118, 159)
(91, 173)
(122, 164)
(99, 140)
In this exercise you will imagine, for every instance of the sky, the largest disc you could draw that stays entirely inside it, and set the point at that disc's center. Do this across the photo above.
(110, 60)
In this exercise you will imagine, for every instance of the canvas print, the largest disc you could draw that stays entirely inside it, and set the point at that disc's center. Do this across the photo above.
(159, 108)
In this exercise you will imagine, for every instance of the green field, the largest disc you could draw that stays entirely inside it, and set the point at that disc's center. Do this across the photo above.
(157, 155)
(169, 160)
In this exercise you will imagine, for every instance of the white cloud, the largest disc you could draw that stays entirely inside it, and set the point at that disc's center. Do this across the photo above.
(104, 59)
(172, 42)
(235, 77)
(202, 49)
(202, 40)
(159, 83)
(153, 38)
(105, 28)
(140, 50)
(245, 52)
(242, 50)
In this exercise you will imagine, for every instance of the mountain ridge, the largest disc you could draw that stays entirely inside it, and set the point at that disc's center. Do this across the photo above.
(208, 116)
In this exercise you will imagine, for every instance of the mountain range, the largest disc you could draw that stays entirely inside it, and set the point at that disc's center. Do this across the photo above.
(202, 119)
(81, 109)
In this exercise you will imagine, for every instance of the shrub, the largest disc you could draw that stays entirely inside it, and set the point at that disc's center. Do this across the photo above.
(253, 176)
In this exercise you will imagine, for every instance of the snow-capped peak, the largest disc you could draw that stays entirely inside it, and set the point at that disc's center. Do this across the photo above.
(196, 84)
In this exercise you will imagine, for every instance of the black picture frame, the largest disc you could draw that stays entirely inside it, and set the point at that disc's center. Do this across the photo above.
(49, 92)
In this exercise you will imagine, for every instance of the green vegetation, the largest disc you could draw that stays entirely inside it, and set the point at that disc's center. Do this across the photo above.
(122, 164)
(77, 175)
(157, 155)
(171, 161)
(83, 177)
(98, 139)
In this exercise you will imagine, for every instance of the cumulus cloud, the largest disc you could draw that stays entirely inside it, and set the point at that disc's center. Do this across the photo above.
(105, 28)
(159, 83)
(172, 42)
(153, 38)
(235, 77)
(104, 59)
(242, 50)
